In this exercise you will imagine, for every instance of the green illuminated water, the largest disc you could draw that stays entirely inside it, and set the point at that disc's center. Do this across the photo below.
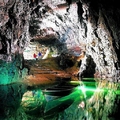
(83, 101)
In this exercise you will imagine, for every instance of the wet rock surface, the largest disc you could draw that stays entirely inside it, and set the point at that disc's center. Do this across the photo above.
(63, 26)
(93, 26)
(51, 71)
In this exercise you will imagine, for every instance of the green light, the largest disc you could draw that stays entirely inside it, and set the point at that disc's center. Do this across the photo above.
(66, 100)
(91, 89)
(89, 79)
(117, 92)
(88, 91)
(77, 82)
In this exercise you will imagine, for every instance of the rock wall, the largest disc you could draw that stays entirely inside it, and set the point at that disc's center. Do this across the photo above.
(93, 26)
(14, 36)
(12, 71)
(22, 21)
(101, 34)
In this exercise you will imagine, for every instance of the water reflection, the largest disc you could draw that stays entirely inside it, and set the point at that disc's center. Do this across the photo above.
(31, 102)
(72, 100)
(10, 99)
(50, 102)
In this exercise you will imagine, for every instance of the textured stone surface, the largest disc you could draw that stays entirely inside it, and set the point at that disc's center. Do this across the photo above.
(99, 36)
(62, 26)
(91, 25)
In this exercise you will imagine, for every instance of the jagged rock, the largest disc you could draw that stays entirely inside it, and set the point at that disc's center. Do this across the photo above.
(96, 30)
(93, 26)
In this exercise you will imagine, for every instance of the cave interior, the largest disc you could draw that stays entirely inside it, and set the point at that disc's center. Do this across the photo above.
(59, 60)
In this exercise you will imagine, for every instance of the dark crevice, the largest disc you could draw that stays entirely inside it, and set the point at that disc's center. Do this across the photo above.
(79, 11)
(33, 27)
(90, 68)
(117, 65)
(105, 62)
(97, 36)
(113, 38)
(4, 45)
(9, 24)
(12, 16)
(94, 11)
(37, 11)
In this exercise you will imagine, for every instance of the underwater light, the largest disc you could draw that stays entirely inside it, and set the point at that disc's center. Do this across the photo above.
(84, 89)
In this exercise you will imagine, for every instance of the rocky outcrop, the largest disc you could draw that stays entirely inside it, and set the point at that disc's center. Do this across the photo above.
(14, 36)
(14, 26)
(100, 37)
(86, 30)
(22, 21)
(12, 71)
(94, 26)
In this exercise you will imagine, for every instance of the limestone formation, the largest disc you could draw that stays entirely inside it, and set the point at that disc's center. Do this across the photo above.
(77, 39)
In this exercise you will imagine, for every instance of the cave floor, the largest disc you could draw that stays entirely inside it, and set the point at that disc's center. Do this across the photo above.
(47, 72)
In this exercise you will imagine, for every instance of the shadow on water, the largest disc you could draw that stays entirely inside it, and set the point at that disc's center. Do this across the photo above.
(10, 99)
(67, 101)
(35, 102)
